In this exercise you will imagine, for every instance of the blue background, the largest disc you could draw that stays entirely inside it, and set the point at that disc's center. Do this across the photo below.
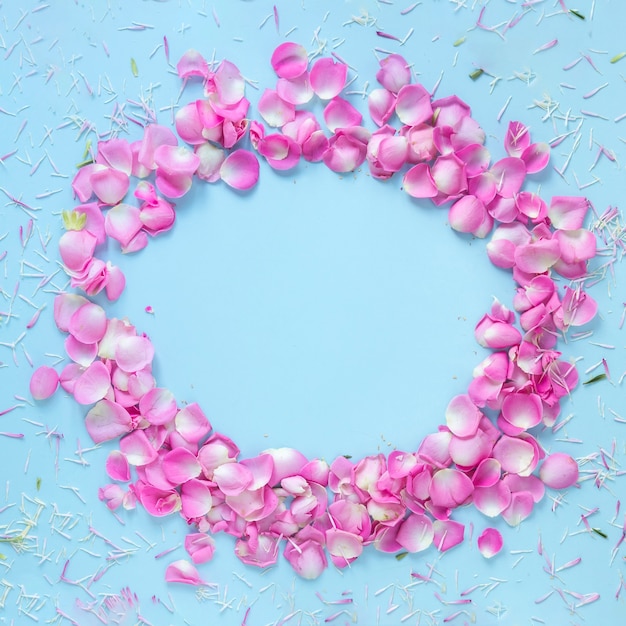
(329, 313)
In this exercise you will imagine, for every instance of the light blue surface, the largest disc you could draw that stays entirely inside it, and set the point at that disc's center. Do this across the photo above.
(332, 314)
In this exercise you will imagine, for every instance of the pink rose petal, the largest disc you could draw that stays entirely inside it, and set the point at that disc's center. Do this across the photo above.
(490, 542)
(43, 382)
(290, 60)
(559, 471)
(93, 384)
(240, 170)
(107, 420)
(328, 78)
(183, 572)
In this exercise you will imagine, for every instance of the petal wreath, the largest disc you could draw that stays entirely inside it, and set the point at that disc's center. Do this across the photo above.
(405, 500)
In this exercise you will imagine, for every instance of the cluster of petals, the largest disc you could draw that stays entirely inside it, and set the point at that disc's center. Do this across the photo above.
(170, 459)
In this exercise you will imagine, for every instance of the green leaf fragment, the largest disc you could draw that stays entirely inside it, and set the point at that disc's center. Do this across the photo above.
(595, 379)
(580, 16)
(72, 220)
(134, 68)
(38, 481)
(476, 74)
(599, 532)
(400, 555)
(458, 42)
(618, 57)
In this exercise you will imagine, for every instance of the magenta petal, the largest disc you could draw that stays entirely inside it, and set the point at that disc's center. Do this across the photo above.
(183, 572)
(413, 105)
(579, 307)
(418, 182)
(449, 488)
(158, 406)
(515, 455)
(93, 384)
(110, 185)
(117, 467)
(107, 420)
(65, 305)
(490, 542)
(467, 214)
(189, 125)
(559, 471)
(509, 174)
(328, 78)
(487, 473)
(116, 154)
(81, 184)
(290, 60)
(138, 448)
(43, 382)
(180, 465)
(339, 113)
(199, 546)
(240, 170)
(448, 534)
(517, 139)
(492, 500)
(415, 533)
(88, 324)
(537, 257)
(394, 73)
(536, 157)
(523, 410)
(229, 83)
(192, 63)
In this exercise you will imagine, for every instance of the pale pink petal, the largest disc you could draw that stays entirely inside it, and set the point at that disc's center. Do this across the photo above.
(450, 488)
(343, 546)
(568, 212)
(115, 283)
(211, 159)
(509, 174)
(418, 182)
(192, 423)
(274, 110)
(159, 216)
(496, 335)
(173, 160)
(218, 449)
(394, 73)
(448, 534)
(450, 111)
(520, 508)
(117, 467)
(69, 375)
(229, 83)
(261, 552)
(559, 471)
(110, 185)
(77, 248)
(180, 465)
(413, 105)
(240, 170)
(93, 384)
(347, 149)
(529, 484)
(579, 308)
(523, 410)
(487, 473)
(467, 452)
(392, 153)
(434, 449)
(189, 125)
(254, 505)
(307, 558)
(122, 222)
(281, 152)
(138, 242)
(536, 157)
(138, 448)
(116, 154)
(576, 245)
(515, 455)
(315, 146)
(287, 462)
(537, 257)
(339, 113)
(43, 382)
(517, 139)
(199, 546)
(173, 185)
(158, 406)
(140, 383)
(490, 542)
(400, 464)
(381, 105)
(476, 158)
(81, 184)
(290, 60)
(65, 305)
(262, 468)
(295, 91)
(531, 205)
(107, 420)
(192, 63)
(154, 136)
(183, 572)
(328, 77)
(133, 353)
(232, 478)
(467, 214)
(492, 500)
(415, 533)
(462, 416)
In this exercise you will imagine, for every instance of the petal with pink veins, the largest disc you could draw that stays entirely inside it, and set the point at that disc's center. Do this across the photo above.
(43, 382)
(133, 353)
(274, 110)
(559, 471)
(515, 455)
(413, 105)
(568, 212)
(328, 78)
(448, 534)
(339, 113)
(490, 542)
(158, 406)
(117, 467)
(107, 420)
(418, 182)
(289, 60)
(93, 384)
(416, 533)
(240, 170)
(110, 185)
(394, 73)
(180, 465)
(199, 546)
(138, 448)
